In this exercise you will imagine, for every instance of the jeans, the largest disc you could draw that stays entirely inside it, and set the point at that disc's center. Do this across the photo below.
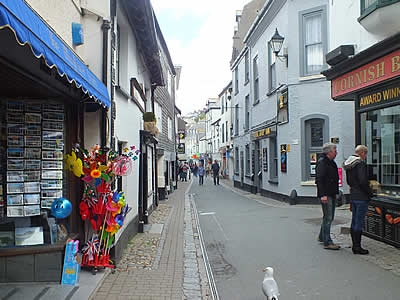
(201, 180)
(359, 210)
(328, 210)
(216, 178)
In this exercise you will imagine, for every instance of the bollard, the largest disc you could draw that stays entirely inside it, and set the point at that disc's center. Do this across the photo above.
(293, 197)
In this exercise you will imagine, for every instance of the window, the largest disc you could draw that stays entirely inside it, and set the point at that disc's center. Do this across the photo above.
(255, 80)
(236, 160)
(368, 6)
(237, 119)
(170, 128)
(158, 112)
(236, 80)
(271, 68)
(273, 174)
(222, 105)
(247, 114)
(115, 56)
(313, 42)
(380, 132)
(247, 154)
(223, 132)
(226, 131)
(314, 139)
(246, 68)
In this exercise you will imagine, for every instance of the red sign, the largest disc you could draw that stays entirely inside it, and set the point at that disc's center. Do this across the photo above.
(340, 172)
(377, 71)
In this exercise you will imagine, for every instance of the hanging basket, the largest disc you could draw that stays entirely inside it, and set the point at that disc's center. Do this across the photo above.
(151, 127)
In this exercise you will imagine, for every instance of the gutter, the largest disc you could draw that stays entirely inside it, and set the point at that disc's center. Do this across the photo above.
(104, 113)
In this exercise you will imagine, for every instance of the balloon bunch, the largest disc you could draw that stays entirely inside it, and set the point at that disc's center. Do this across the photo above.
(104, 208)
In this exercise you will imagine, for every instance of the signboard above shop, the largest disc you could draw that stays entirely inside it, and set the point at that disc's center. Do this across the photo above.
(379, 70)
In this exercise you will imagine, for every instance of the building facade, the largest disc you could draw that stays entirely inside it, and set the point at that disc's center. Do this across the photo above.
(283, 113)
(365, 71)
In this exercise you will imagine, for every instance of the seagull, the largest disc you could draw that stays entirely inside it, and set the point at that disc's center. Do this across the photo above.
(269, 286)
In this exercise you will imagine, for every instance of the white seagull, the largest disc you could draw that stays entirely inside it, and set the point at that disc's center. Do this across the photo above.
(269, 286)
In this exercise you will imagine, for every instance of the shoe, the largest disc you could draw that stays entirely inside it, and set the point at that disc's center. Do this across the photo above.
(332, 247)
(319, 240)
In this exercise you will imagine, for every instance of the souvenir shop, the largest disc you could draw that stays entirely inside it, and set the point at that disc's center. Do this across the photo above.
(371, 79)
(43, 94)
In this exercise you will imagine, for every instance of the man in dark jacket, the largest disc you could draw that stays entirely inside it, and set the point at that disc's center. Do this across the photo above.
(215, 170)
(360, 194)
(327, 180)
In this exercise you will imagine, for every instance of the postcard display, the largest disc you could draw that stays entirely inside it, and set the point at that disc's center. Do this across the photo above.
(35, 144)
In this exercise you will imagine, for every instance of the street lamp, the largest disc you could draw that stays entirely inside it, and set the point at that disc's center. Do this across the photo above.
(276, 43)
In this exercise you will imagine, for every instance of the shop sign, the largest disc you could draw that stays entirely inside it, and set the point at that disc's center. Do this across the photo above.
(284, 158)
(265, 159)
(181, 134)
(181, 148)
(377, 71)
(264, 132)
(379, 97)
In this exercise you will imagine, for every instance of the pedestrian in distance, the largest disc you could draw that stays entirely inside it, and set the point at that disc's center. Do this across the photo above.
(360, 194)
(327, 180)
(215, 170)
(201, 171)
(183, 174)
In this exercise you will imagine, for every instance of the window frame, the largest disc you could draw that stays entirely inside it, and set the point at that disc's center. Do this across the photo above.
(248, 160)
(247, 113)
(365, 11)
(236, 74)
(322, 10)
(271, 68)
(256, 81)
(246, 68)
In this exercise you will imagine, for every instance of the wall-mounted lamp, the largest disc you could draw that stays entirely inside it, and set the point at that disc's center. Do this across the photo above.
(276, 43)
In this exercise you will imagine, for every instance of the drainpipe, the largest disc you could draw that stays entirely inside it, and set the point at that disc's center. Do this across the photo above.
(103, 120)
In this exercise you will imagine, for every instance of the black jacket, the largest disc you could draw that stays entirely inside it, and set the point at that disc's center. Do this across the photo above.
(327, 177)
(357, 178)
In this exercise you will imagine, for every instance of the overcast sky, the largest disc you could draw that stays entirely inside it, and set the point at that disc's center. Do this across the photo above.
(199, 38)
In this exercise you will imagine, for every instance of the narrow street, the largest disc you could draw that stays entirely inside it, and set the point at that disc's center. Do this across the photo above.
(244, 234)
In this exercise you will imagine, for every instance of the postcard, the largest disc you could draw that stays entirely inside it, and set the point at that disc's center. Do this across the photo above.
(33, 129)
(33, 107)
(52, 135)
(32, 187)
(48, 154)
(52, 164)
(15, 199)
(53, 116)
(32, 175)
(32, 199)
(32, 164)
(33, 118)
(33, 141)
(15, 176)
(15, 105)
(15, 153)
(31, 210)
(47, 174)
(51, 184)
(53, 106)
(15, 141)
(15, 164)
(51, 194)
(33, 153)
(17, 129)
(53, 125)
(15, 211)
(28, 236)
(53, 145)
(15, 117)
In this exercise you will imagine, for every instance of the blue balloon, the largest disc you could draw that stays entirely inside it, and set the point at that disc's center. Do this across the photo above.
(61, 208)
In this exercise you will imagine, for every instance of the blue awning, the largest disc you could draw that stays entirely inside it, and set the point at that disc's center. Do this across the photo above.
(29, 28)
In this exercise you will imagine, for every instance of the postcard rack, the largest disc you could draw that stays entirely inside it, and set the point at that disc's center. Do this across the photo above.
(34, 157)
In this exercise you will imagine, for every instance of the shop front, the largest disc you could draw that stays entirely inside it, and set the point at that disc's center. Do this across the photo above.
(372, 80)
(44, 88)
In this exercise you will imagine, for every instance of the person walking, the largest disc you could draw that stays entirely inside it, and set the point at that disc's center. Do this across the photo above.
(200, 172)
(215, 170)
(327, 180)
(360, 194)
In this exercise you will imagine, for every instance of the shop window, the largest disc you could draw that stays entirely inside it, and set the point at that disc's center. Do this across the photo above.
(313, 40)
(368, 6)
(31, 172)
(380, 132)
